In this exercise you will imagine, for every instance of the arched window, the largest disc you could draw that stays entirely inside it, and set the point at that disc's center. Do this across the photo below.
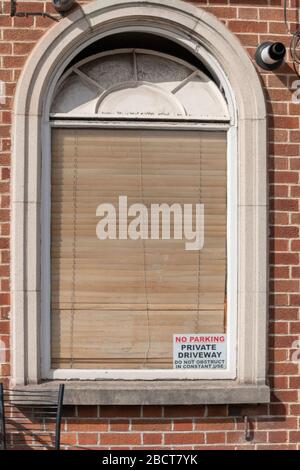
(151, 264)
(117, 303)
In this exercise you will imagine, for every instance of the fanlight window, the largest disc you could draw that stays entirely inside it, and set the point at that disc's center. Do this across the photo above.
(138, 84)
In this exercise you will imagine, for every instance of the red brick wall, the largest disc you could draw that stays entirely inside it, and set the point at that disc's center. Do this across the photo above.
(276, 425)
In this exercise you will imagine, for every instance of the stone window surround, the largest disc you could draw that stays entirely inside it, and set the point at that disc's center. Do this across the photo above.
(196, 30)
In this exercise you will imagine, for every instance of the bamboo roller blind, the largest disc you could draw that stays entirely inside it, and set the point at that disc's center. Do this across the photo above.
(117, 303)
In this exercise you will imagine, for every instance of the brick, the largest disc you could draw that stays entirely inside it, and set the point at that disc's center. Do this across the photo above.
(235, 437)
(248, 39)
(88, 411)
(295, 246)
(248, 13)
(119, 425)
(88, 438)
(287, 121)
(68, 438)
(248, 26)
(222, 12)
(295, 136)
(122, 412)
(281, 94)
(285, 286)
(295, 164)
(295, 299)
(276, 163)
(276, 15)
(184, 438)
(285, 396)
(278, 218)
(31, 6)
(151, 425)
(279, 272)
(152, 411)
(279, 328)
(279, 383)
(277, 423)
(294, 436)
(120, 438)
(277, 356)
(247, 410)
(279, 245)
(294, 109)
(277, 28)
(284, 368)
(277, 436)
(294, 382)
(276, 447)
(4, 299)
(278, 409)
(21, 48)
(279, 135)
(14, 61)
(286, 205)
(284, 177)
(69, 411)
(295, 409)
(87, 425)
(215, 438)
(282, 341)
(183, 425)
(22, 34)
(284, 258)
(296, 272)
(184, 411)
(5, 48)
(217, 411)
(214, 424)
(5, 21)
(152, 439)
(280, 312)
(279, 190)
(295, 192)
(278, 299)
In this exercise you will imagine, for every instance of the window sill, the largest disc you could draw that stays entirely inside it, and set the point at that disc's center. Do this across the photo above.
(158, 392)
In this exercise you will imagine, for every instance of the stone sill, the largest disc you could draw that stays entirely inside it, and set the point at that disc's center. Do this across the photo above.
(158, 392)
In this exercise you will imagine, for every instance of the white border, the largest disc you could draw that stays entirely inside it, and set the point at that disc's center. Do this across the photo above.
(138, 374)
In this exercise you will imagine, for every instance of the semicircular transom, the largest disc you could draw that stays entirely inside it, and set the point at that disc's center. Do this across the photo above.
(141, 84)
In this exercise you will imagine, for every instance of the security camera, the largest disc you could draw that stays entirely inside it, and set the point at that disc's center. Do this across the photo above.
(63, 5)
(270, 55)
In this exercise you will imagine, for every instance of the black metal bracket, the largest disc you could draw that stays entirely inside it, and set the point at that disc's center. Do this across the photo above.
(27, 408)
(26, 14)
(59, 415)
(2, 420)
(248, 434)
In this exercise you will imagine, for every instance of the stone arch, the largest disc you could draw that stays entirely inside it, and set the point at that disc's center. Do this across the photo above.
(208, 39)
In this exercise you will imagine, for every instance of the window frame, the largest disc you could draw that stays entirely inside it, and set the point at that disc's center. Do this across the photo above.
(139, 374)
(212, 42)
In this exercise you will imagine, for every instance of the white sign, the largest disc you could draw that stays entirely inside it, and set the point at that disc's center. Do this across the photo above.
(199, 351)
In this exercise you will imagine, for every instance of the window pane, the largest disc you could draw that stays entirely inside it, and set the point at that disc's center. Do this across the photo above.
(116, 303)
